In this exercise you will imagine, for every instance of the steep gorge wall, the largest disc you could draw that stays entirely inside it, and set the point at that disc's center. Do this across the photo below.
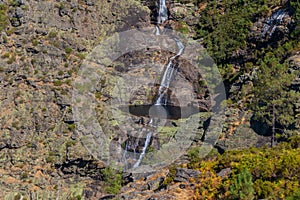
(42, 46)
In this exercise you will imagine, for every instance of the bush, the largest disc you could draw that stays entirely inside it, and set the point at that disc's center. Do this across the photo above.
(243, 186)
(295, 196)
(256, 173)
(52, 34)
(3, 17)
(68, 50)
(113, 180)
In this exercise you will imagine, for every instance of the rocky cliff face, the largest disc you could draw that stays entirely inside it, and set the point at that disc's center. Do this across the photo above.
(42, 47)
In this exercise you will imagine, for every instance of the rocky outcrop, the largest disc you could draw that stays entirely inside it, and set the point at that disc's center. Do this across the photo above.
(184, 175)
(41, 51)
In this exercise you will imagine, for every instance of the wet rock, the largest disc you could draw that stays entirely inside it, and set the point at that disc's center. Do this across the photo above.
(272, 28)
(184, 175)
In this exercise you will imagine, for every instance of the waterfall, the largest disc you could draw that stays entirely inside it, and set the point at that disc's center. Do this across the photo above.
(157, 30)
(275, 20)
(162, 12)
(125, 154)
(147, 142)
(168, 75)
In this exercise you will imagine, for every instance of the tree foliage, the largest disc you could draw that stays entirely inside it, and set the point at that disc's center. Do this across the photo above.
(243, 186)
(295, 5)
(225, 25)
(274, 101)
(3, 17)
(113, 180)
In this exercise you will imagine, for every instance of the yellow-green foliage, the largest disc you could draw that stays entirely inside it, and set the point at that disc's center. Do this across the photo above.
(257, 173)
(208, 184)
(3, 17)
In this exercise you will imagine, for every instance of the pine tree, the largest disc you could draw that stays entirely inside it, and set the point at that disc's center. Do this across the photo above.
(243, 186)
(273, 100)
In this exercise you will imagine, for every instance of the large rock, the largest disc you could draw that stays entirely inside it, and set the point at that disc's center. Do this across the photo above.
(184, 175)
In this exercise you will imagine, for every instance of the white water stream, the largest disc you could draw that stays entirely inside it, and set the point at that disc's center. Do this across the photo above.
(168, 76)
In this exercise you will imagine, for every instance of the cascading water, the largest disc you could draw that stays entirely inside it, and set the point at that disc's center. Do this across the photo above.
(275, 20)
(162, 15)
(162, 12)
(168, 76)
(147, 142)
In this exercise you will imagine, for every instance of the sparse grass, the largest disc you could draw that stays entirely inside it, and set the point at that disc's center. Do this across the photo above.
(183, 28)
(81, 56)
(5, 55)
(60, 73)
(33, 61)
(3, 17)
(171, 175)
(113, 180)
(10, 31)
(52, 34)
(57, 83)
(35, 42)
(71, 127)
(68, 50)
(12, 58)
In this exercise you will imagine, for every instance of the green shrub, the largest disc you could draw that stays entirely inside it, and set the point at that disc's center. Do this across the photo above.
(256, 173)
(35, 42)
(182, 28)
(243, 186)
(5, 55)
(3, 17)
(52, 34)
(68, 50)
(113, 180)
(295, 196)
(71, 127)
(57, 83)
(81, 56)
